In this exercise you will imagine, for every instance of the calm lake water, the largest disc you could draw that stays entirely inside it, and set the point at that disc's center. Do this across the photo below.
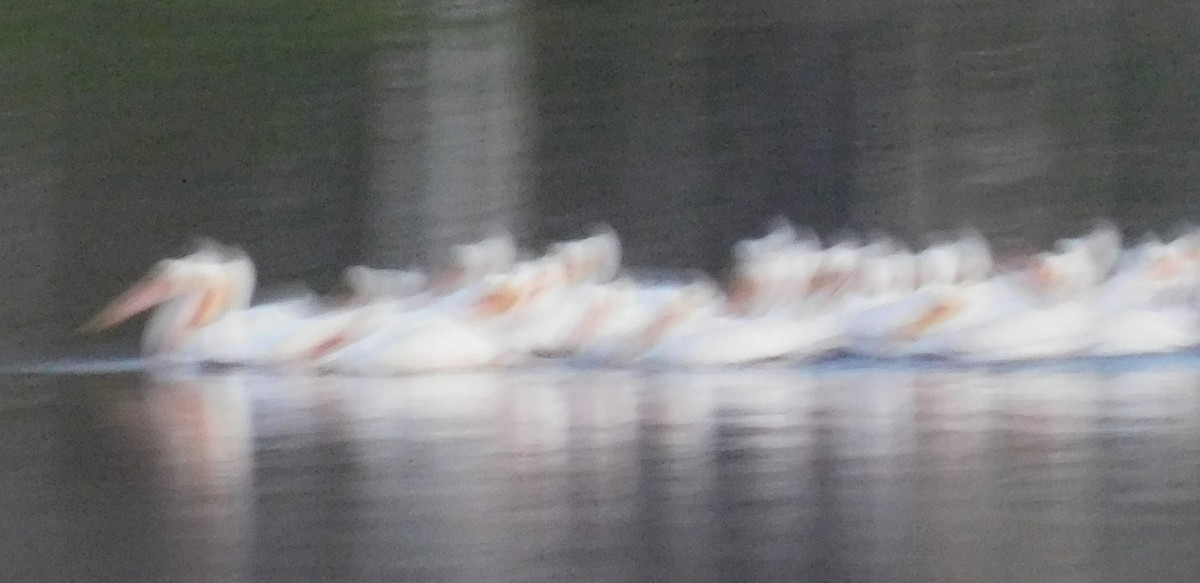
(1077, 473)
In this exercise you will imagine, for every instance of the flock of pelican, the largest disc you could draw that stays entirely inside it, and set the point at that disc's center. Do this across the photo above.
(789, 297)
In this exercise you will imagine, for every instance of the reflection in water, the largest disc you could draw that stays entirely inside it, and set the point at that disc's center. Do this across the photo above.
(200, 429)
(614, 475)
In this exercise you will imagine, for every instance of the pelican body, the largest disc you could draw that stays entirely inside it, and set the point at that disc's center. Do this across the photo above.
(789, 298)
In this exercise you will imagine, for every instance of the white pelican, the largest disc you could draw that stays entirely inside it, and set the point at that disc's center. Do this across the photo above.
(788, 291)
(770, 274)
(607, 316)
(950, 291)
(787, 298)
(580, 304)
(760, 279)
(500, 320)
(471, 262)
(1147, 306)
(481, 333)
(684, 327)
(918, 296)
(595, 258)
(1044, 312)
(201, 306)
(691, 331)
(366, 284)
(186, 295)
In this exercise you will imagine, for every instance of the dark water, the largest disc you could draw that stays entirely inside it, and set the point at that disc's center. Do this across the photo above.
(782, 475)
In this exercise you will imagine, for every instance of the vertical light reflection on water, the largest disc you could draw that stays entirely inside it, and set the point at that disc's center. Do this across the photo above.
(767, 485)
(869, 429)
(1041, 457)
(675, 529)
(306, 473)
(1147, 497)
(591, 483)
(396, 138)
(954, 482)
(426, 496)
(449, 135)
(476, 107)
(202, 431)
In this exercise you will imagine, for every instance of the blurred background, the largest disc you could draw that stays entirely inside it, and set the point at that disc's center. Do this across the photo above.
(323, 133)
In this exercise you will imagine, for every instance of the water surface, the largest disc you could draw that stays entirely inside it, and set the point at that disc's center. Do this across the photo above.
(1052, 474)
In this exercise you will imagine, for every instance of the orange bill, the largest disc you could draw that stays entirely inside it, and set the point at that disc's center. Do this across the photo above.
(940, 312)
(822, 280)
(329, 345)
(215, 302)
(497, 301)
(745, 289)
(144, 295)
(653, 334)
(1044, 275)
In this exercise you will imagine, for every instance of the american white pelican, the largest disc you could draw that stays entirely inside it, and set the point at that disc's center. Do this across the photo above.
(483, 333)
(367, 284)
(595, 258)
(471, 262)
(907, 294)
(203, 314)
(788, 298)
(201, 306)
(1147, 306)
(690, 329)
(1044, 312)
(760, 279)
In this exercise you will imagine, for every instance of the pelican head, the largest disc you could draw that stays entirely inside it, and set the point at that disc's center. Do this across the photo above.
(605, 247)
(499, 250)
(468, 264)
(780, 233)
(188, 293)
(595, 258)
(167, 279)
(575, 260)
(1104, 244)
(1163, 263)
(362, 286)
(889, 272)
(1059, 276)
(938, 265)
(702, 294)
(839, 269)
(974, 257)
(749, 279)
(366, 284)
(504, 295)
